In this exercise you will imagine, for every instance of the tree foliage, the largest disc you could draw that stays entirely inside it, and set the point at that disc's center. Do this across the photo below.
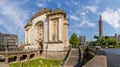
(105, 40)
(74, 39)
(92, 43)
(111, 41)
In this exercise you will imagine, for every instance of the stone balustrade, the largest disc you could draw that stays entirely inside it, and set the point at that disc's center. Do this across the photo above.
(19, 54)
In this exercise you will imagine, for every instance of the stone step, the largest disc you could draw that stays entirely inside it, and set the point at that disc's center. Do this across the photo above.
(74, 58)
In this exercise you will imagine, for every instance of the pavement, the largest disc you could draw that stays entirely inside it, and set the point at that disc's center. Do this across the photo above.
(97, 61)
(2, 64)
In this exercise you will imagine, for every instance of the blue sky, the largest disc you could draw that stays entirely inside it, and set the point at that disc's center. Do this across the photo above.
(83, 15)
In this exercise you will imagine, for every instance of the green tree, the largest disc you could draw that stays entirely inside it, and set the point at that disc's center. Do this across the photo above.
(74, 39)
(92, 43)
(111, 41)
(101, 40)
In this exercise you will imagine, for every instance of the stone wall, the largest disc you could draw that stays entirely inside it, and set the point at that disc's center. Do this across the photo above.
(56, 55)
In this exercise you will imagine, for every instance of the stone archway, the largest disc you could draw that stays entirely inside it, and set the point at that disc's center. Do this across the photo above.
(39, 27)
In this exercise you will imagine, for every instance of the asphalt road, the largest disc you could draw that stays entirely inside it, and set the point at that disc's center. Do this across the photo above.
(113, 57)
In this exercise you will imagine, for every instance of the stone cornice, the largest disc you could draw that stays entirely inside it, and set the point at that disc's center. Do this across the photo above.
(57, 11)
(66, 24)
(28, 24)
(48, 12)
(52, 42)
(66, 21)
(42, 11)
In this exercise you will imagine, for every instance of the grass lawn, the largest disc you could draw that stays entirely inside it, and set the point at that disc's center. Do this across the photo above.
(40, 62)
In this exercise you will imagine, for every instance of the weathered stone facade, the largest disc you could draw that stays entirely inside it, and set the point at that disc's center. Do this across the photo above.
(48, 30)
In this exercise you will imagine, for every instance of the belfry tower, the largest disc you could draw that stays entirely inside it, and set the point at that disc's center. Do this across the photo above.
(100, 27)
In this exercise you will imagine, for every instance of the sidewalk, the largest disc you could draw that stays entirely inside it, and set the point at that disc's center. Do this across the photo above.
(97, 61)
(2, 64)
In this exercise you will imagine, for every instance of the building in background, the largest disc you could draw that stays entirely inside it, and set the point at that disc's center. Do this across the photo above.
(82, 40)
(116, 36)
(8, 41)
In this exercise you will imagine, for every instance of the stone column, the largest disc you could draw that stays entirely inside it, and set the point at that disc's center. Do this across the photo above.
(50, 30)
(28, 56)
(36, 55)
(6, 59)
(18, 58)
(26, 36)
(60, 29)
(29, 36)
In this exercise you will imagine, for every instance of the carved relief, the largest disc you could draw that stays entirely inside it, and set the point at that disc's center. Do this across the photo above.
(55, 24)
(39, 32)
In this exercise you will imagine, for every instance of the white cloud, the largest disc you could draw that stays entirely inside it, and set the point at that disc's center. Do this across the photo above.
(91, 24)
(83, 13)
(86, 22)
(40, 4)
(73, 17)
(1, 22)
(112, 17)
(13, 17)
(75, 31)
(92, 8)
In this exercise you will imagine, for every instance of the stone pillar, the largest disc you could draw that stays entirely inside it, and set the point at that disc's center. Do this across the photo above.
(60, 29)
(28, 56)
(29, 35)
(36, 55)
(65, 37)
(50, 30)
(26, 36)
(6, 59)
(18, 58)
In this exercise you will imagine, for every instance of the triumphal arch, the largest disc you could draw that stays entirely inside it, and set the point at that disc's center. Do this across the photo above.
(47, 30)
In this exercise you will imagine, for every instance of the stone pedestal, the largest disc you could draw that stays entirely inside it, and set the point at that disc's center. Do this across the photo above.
(28, 57)
(18, 58)
(6, 59)
(36, 55)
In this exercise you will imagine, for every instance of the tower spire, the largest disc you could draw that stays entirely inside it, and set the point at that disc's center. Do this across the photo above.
(100, 26)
